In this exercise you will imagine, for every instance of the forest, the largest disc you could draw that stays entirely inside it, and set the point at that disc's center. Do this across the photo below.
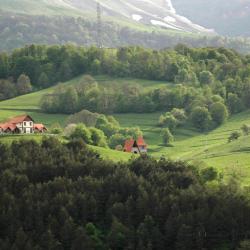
(18, 30)
(208, 84)
(67, 197)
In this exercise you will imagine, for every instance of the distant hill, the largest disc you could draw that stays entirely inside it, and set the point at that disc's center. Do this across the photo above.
(153, 13)
(227, 17)
(154, 24)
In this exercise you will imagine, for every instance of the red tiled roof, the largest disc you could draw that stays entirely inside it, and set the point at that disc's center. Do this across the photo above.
(39, 127)
(6, 126)
(19, 119)
(129, 145)
(140, 141)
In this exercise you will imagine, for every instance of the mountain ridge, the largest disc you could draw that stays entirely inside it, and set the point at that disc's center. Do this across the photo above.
(151, 13)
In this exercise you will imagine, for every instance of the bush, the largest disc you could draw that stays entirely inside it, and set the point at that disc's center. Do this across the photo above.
(98, 137)
(245, 129)
(201, 118)
(69, 130)
(167, 136)
(179, 115)
(82, 132)
(84, 116)
(56, 129)
(234, 136)
(116, 139)
(209, 174)
(169, 121)
(219, 113)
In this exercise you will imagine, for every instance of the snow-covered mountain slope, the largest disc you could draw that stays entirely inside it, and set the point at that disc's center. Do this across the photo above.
(151, 12)
(227, 17)
(159, 13)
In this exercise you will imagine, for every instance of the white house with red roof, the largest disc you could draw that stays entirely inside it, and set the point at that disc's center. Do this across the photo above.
(135, 146)
(23, 124)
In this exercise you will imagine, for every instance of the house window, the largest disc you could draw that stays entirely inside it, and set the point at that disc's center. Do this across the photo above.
(24, 123)
(30, 123)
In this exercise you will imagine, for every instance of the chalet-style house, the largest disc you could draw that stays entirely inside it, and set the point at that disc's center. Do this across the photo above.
(23, 124)
(135, 146)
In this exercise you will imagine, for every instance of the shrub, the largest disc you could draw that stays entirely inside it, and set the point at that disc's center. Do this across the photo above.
(245, 129)
(219, 113)
(98, 137)
(116, 139)
(201, 118)
(234, 136)
(167, 136)
(209, 174)
(168, 120)
(56, 129)
(82, 132)
(179, 115)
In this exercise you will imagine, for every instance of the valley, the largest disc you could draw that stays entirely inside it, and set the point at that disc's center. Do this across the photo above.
(205, 149)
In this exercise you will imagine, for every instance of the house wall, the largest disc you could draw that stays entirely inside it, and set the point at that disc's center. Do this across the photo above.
(135, 151)
(26, 127)
(143, 149)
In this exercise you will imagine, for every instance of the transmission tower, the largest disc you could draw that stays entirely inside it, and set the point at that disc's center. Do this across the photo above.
(99, 25)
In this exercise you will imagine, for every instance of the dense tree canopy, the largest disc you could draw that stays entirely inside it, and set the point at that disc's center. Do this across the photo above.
(63, 196)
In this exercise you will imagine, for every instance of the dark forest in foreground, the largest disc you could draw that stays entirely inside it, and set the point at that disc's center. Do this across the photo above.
(65, 197)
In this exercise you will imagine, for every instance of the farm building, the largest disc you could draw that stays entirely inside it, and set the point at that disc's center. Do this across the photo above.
(23, 124)
(135, 146)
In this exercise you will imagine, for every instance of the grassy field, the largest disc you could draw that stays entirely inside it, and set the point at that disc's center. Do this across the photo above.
(211, 149)
(30, 103)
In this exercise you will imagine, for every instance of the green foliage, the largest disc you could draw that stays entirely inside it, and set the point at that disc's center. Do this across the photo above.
(108, 126)
(98, 137)
(84, 116)
(245, 129)
(201, 118)
(209, 174)
(56, 129)
(206, 77)
(234, 103)
(219, 113)
(23, 84)
(116, 140)
(179, 115)
(167, 136)
(168, 120)
(234, 136)
(82, 132)
(74, 200)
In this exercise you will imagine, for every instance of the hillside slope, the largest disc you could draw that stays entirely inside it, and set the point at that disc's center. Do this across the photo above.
(229, 18)
(154, 13)
(212, 149)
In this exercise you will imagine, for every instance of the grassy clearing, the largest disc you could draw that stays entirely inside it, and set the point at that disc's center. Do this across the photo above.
(30, 103)
(211, 148)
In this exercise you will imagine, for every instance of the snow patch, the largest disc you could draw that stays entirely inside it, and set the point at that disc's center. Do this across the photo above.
(170, 6)
(162, 24)
(136, 17)
(169, 19)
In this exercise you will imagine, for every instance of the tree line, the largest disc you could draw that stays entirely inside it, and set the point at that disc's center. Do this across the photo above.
(17, 30)
(63, 196)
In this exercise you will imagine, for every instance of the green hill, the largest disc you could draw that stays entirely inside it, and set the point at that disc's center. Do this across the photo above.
(211, 149)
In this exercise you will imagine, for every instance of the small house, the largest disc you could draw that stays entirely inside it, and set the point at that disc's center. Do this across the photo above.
(135, 146)
(23, 124)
